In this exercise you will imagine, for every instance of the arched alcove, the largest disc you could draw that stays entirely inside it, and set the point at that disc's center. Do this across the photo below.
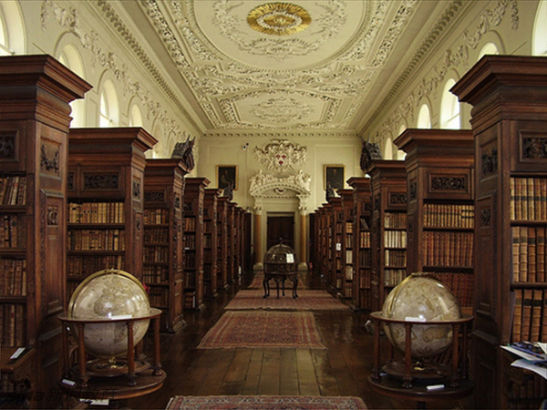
(13, 28)
(539, 33)
(424, 117)
(450, 108)
(109, 113)
(70, 57)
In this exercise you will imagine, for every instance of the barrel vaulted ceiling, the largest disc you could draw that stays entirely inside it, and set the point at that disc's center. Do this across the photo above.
(256, 65)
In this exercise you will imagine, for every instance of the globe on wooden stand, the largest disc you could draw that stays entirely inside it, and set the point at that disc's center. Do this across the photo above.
(421, 320)
(108, 315)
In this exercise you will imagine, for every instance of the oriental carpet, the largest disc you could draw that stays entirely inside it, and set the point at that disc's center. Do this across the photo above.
(265, 402)
(306, 300)
(263, 329)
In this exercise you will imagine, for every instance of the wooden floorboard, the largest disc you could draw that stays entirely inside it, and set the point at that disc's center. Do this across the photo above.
(340, 370)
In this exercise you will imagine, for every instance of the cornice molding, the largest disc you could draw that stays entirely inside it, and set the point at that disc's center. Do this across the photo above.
(281, 134)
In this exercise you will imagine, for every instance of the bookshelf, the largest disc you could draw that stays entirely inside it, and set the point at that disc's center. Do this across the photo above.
(508, 118)
(210, 242)
(247, 241)
(335, 276)
(35, 92)
(232, 232)
(163, 253)
(347, 243)
(105, 201)
(440, 167)
(222, 252)
(362, 262)
(327, 240)
(388, 239)
(194, 196)
(238, 245)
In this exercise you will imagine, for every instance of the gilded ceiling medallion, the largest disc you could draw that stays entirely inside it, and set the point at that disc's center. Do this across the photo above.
(278, 18)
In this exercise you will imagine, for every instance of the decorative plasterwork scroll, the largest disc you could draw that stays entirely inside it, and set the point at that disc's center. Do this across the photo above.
(68, 18)
(270, 186)
(455, 57)
(281, 156)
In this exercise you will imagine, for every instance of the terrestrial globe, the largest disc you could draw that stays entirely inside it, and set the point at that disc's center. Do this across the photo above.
(420, 297)
(110, 294)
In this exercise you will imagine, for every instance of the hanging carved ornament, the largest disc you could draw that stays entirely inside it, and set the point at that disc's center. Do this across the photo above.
(281, 156)
(369, 152)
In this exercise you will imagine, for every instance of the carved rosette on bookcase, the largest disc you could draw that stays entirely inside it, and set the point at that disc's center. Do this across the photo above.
(388, 241)
(509, 123)
(105, 201)
(163, 254)
(362, 207)
(34, 95)
(440, 167)
(194, 196)
(347, 243)
(222, 252)
(210, 242)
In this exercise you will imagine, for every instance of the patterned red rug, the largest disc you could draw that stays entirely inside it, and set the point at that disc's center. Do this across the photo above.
(306, 300)
(265, 402)
(261, 329)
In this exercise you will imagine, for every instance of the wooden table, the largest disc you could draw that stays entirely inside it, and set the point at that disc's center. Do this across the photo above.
(280, 277)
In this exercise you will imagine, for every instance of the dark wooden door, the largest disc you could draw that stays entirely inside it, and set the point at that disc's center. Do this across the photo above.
(280, 227)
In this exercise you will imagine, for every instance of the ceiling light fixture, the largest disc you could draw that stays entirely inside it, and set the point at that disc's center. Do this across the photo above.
(278, 18)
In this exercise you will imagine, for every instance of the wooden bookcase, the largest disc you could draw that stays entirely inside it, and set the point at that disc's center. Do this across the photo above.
(232, 232)
(362, 261)
(246, 242)
(509, 122)
(347, 243)
(388, 241)
(35, 92)
(105, 201)
(222, 252)
(210, 242)
(335, 277)
(238, 246)
(163, 253)
(194, 197)
(440, 184)
(326, 242)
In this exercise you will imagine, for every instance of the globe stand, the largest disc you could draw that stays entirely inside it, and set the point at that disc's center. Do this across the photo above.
(111, 378)
(411, 378)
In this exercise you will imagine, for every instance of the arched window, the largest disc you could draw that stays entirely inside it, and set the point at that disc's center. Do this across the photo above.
(424, 118)
(488, 48)
(388, 149)
(70, 57)
(12, 28)
(4, 49)
(450, 108)
(539, 36)
(135, 117)
(108, 106)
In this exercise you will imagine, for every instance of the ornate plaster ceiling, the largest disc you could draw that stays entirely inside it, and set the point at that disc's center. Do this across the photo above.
(299, 65)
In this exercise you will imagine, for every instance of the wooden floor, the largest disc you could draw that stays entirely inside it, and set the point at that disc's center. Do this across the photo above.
(342, 369)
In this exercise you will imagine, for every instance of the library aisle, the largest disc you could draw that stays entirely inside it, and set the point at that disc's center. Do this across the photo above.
(340, 368)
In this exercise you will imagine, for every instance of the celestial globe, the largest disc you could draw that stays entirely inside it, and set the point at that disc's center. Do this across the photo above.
(420, 297)
(110, 294)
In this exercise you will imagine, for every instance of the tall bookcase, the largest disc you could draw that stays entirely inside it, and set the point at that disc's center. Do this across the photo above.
(210, 242)
(335, 277)
(509, 122)
(222, 252)
(440, 167)
(194, 196)
(163, 253)
(238, 222)
(347, 243)
(105, 201)
(232, 232)
(327, 240)
(362, 260)
(34, 95)
(388, 241)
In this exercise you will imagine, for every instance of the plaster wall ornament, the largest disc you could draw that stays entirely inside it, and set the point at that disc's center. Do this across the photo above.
(281, 156)
(457, 56)
(268, 186)
(69, 19)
